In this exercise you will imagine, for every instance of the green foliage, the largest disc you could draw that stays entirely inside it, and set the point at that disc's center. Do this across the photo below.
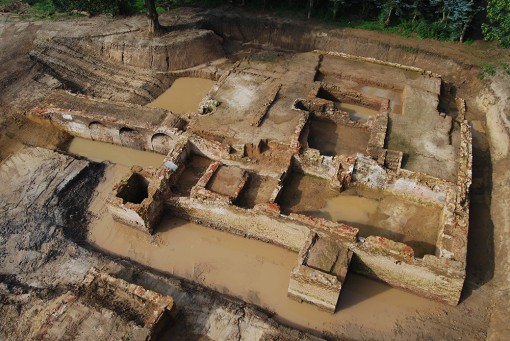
(437, 19)
(39, 10)
(506, 69)
(487, 69)
(498, 26)
(113, 7)
(137, 6)
(370, 25)
(43, 8)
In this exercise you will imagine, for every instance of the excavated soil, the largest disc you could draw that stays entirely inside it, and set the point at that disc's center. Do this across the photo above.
(46, 247)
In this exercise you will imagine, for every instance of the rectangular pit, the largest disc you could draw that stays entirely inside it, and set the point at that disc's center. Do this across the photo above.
(195, 167)
(135, 190)
(373, 213)
(102, 151)
(360, 109)
(332, 139)
(393, 95)
(258, 190)
(227, 181)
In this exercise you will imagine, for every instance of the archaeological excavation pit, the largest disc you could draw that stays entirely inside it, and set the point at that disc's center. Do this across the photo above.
(332, 139)
(228, 181)
(258, 190)
(373, 213)
(135, 190)
(316, 167)
(194, 169)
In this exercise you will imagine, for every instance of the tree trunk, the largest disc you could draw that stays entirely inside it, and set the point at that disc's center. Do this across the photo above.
(444, 15)
(152, 17)
(464, 29)
(387, 22)
(310, 8)
(336, 5)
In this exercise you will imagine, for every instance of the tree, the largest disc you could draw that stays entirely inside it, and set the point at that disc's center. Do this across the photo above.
(444, 8)
(311, 4)
(152, 16)
(416, 9)
(336, 6)
(498, 27)
(391, 7)
(461, 14)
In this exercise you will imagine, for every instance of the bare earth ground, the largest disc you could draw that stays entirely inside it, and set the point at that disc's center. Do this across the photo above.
(38, 263)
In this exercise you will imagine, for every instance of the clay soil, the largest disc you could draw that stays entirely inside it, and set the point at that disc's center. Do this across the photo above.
(39, 264)
(332, 139)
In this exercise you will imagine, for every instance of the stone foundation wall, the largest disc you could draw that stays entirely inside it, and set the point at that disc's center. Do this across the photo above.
(137, 200)
(127, 125)
(249, 223)
(394, 263)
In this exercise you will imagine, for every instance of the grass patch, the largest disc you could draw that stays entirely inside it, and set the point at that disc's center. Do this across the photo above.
(42, 9)
(420, 29)
(487, 69)
(506, 68)
(39, 10)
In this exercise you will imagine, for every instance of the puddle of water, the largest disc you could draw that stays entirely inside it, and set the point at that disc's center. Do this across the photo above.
(184, 95)
(386, 216)
(393, 95)
(350, 208)
(254, 271)
(101, 151)
(356, 112)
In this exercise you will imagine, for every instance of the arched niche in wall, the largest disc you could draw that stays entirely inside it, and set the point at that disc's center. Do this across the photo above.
(162, 143)
(98, 132)
(131, 138)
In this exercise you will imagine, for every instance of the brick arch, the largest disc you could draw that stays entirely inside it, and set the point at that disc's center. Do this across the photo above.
(131, 138)
(98, 132)
(162, 143)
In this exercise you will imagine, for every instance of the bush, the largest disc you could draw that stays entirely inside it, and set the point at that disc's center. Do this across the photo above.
(498, 26)
(113, 7)
(436, 30)
(487, 69)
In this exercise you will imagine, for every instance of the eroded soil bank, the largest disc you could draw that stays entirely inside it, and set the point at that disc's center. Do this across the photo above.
(43, 243)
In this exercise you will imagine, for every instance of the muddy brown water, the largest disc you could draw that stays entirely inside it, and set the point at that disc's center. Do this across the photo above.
(254, 271)
(101, 151)
(356, 112)
(184, 95)
(374, 214)
(386, 216)
(394, 96)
